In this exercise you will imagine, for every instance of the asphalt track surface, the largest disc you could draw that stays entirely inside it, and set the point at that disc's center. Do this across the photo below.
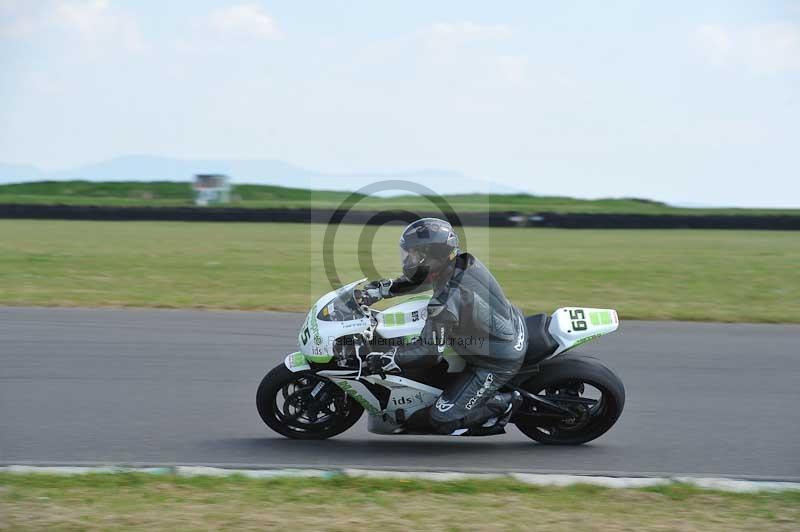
(177, 387)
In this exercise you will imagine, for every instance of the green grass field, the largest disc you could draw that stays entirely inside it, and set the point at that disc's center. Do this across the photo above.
(734, 276)
(264, 196)
(140, 501)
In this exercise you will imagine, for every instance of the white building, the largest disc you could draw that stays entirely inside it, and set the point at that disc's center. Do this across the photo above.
(211, 189)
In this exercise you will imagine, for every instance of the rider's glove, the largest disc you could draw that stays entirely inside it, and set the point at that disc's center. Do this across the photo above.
(379, 363)
(376, 290)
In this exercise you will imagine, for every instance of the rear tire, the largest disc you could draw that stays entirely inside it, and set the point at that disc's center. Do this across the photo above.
(570, 374)
(275, 384)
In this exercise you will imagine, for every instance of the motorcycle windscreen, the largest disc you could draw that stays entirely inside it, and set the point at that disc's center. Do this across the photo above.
(343, 307)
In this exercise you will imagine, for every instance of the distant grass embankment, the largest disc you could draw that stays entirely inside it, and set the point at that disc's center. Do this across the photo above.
(172, 194)
(732, 276)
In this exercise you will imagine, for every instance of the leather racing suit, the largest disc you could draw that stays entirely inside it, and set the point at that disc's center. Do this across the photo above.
(470, 313)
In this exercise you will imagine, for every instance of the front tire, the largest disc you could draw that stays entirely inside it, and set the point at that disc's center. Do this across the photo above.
(283, 400)
(569, 377)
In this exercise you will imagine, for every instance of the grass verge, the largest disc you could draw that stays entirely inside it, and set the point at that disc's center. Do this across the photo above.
(172, 194)
(140, 501)
(729, 276)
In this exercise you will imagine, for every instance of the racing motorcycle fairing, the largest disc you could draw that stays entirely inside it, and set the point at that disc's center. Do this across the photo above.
(387, 413)
(302, 398)
(404, 320)
(296, 362)
(390, 399)
(334, 315)
(573, 326)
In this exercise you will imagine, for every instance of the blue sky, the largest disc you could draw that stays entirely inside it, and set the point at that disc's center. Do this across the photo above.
(686, 102)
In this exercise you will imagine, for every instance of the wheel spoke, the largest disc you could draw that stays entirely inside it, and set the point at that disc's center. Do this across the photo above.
(296, 401)
(288, 413)
(569, 394)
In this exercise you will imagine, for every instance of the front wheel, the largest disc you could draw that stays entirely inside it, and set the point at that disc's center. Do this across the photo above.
(591, 391)
(303, 406)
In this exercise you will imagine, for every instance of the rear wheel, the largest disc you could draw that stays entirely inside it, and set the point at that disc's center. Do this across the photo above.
(591, 391)
(304, 406)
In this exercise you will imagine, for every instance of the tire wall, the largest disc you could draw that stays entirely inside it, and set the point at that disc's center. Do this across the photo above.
(496, 219)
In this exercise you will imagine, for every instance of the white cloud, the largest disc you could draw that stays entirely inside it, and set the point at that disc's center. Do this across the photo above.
(762, 49)
(457, 49)
(96, 23)
(19, 18)
(248, 20)
(448, 34)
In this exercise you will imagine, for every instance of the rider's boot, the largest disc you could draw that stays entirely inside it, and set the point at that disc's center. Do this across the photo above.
(502, 406)
(419, 422)
(514, 401)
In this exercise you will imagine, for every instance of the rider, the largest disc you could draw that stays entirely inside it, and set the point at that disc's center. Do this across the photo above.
(469, 312)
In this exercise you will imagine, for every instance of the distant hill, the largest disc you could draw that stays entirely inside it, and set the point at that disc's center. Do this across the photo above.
(15, 173)
(252, 171)
(173, 193)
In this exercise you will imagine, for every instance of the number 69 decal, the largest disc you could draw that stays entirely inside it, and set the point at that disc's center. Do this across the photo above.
(578, 320)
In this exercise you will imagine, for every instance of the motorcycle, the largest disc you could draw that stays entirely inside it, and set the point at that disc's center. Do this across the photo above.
(321, 390)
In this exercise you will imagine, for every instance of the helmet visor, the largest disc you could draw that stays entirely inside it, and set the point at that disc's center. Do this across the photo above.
(411, 259)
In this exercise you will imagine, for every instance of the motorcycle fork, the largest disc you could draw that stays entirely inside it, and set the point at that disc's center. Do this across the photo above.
(321, 396)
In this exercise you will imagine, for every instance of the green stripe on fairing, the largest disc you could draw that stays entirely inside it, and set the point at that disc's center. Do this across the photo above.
(416, 298)
(600, 318)
(582, 341)
(349, 390)
(319, 359)
(586, 339)
(394, 319)
(298, 359)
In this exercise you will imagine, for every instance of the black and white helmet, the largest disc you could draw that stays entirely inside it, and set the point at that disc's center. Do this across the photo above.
(427, 247)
